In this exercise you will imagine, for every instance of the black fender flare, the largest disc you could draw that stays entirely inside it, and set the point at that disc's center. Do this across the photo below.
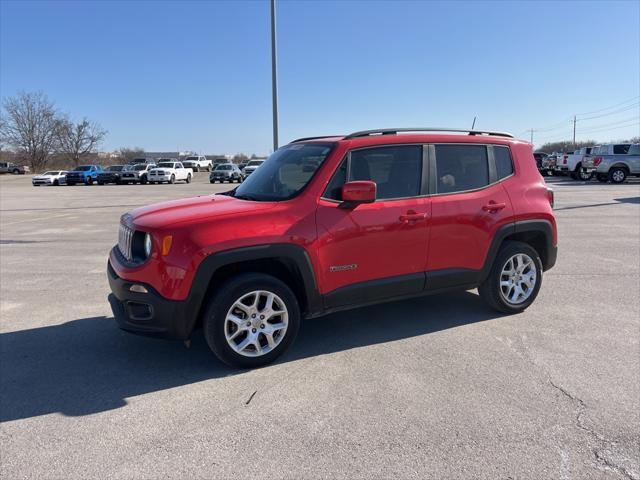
(211, 264)
(539, 226)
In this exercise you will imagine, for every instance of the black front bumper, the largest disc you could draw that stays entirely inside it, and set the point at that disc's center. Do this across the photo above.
(148, 313)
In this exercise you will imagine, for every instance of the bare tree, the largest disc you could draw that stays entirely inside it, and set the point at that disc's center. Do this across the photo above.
(78, 139)
(29, 125)
(126, 154)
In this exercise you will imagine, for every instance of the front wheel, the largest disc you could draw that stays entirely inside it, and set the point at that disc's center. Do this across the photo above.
(89, 181)
(56, 183)
(252, 320)
(514, 280)
(617, 175)
(172, 179)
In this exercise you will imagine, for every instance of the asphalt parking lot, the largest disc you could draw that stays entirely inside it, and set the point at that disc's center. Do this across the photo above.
(438, 387)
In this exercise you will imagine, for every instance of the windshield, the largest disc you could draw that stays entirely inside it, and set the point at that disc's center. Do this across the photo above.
(192, 158)
(285, 173)
(223, 167)
(165, 165)
(50, 173)
(140, 167)
(115, 168)
(255, 163)
(83, 168)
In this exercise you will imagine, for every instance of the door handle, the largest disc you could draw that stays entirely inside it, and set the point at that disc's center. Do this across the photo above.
(412, 216)
(493, 207)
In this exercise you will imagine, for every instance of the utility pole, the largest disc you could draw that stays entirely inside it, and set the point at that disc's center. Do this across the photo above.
(574, 131)
(274, 75)
(532, 130)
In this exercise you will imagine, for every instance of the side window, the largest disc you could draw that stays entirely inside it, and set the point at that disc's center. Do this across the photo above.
(504, 165)
(461, 167)
(179, 165)
(621, 149)
(397, 171)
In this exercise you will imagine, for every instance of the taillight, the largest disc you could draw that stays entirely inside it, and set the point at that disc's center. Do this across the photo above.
(551, 197)
(597, 161)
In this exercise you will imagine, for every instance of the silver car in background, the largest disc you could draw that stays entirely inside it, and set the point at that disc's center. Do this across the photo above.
(613, 162)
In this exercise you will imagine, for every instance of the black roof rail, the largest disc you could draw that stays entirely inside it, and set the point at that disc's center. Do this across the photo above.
(313, 138)
(394, 131)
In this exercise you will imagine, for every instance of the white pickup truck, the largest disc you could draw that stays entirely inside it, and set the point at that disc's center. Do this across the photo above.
(571, 163)
(614, 162)
(170, 172)
(197, 163)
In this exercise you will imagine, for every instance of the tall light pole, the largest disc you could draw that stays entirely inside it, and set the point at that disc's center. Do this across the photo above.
(274, 75)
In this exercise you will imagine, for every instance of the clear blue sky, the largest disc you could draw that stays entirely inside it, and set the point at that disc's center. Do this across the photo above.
(196, 75)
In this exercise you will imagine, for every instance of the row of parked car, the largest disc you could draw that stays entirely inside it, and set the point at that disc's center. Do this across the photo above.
(143, 171)
(614, 162)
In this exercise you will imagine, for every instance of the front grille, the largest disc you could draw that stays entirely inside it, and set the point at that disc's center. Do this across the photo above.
(125, 240)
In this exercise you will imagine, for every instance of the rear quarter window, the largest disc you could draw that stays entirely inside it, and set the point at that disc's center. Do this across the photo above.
(504, 164)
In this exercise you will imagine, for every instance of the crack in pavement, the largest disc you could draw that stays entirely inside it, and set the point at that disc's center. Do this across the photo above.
(524, 352)
(601, 460)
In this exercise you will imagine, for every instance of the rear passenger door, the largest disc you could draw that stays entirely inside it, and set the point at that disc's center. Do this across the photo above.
(376, 250)
(469, 204)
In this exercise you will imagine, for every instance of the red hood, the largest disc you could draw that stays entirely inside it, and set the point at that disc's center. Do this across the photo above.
(195, 209)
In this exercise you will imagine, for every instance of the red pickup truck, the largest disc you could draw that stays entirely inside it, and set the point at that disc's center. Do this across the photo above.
(330, 223)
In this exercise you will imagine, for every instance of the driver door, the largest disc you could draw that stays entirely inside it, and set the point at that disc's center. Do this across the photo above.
(376, 250)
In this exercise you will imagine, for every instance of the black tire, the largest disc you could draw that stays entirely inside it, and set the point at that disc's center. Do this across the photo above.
(236, 287)
(602, 177)
(490, 289)
(173, 178)
(15, 171)
(100, 183)
(143, 180)
(212, 181)
(89, 181)
(188, 180)
(56, 183)
(618, 175)
(584, 176)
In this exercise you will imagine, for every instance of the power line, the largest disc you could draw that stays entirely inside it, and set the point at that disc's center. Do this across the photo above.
(620, 110)
(609, 108)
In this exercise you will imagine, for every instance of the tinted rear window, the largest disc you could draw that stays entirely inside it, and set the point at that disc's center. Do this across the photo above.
(461, 167)
(504, 165)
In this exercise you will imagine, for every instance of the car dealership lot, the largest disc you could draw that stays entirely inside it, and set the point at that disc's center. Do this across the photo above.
(437, 387)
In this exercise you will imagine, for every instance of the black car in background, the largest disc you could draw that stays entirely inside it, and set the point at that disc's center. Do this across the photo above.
(112, 174)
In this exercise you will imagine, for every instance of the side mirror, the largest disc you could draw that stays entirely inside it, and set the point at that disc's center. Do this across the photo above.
(357, 192)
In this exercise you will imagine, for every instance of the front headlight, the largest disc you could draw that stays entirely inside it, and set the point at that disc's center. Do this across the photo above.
(147, 245)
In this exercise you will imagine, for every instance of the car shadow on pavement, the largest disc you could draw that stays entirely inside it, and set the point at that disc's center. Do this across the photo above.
(88, 365)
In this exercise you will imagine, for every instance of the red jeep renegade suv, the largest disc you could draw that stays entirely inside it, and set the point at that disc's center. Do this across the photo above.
(330, 223)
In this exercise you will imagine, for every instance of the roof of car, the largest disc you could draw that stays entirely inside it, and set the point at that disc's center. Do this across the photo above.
(411, 135)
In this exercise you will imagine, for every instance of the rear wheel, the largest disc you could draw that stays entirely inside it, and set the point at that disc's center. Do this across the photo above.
(617, 175)
(188, 178)
(251, 320)
(514, 280)
(584, 175)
